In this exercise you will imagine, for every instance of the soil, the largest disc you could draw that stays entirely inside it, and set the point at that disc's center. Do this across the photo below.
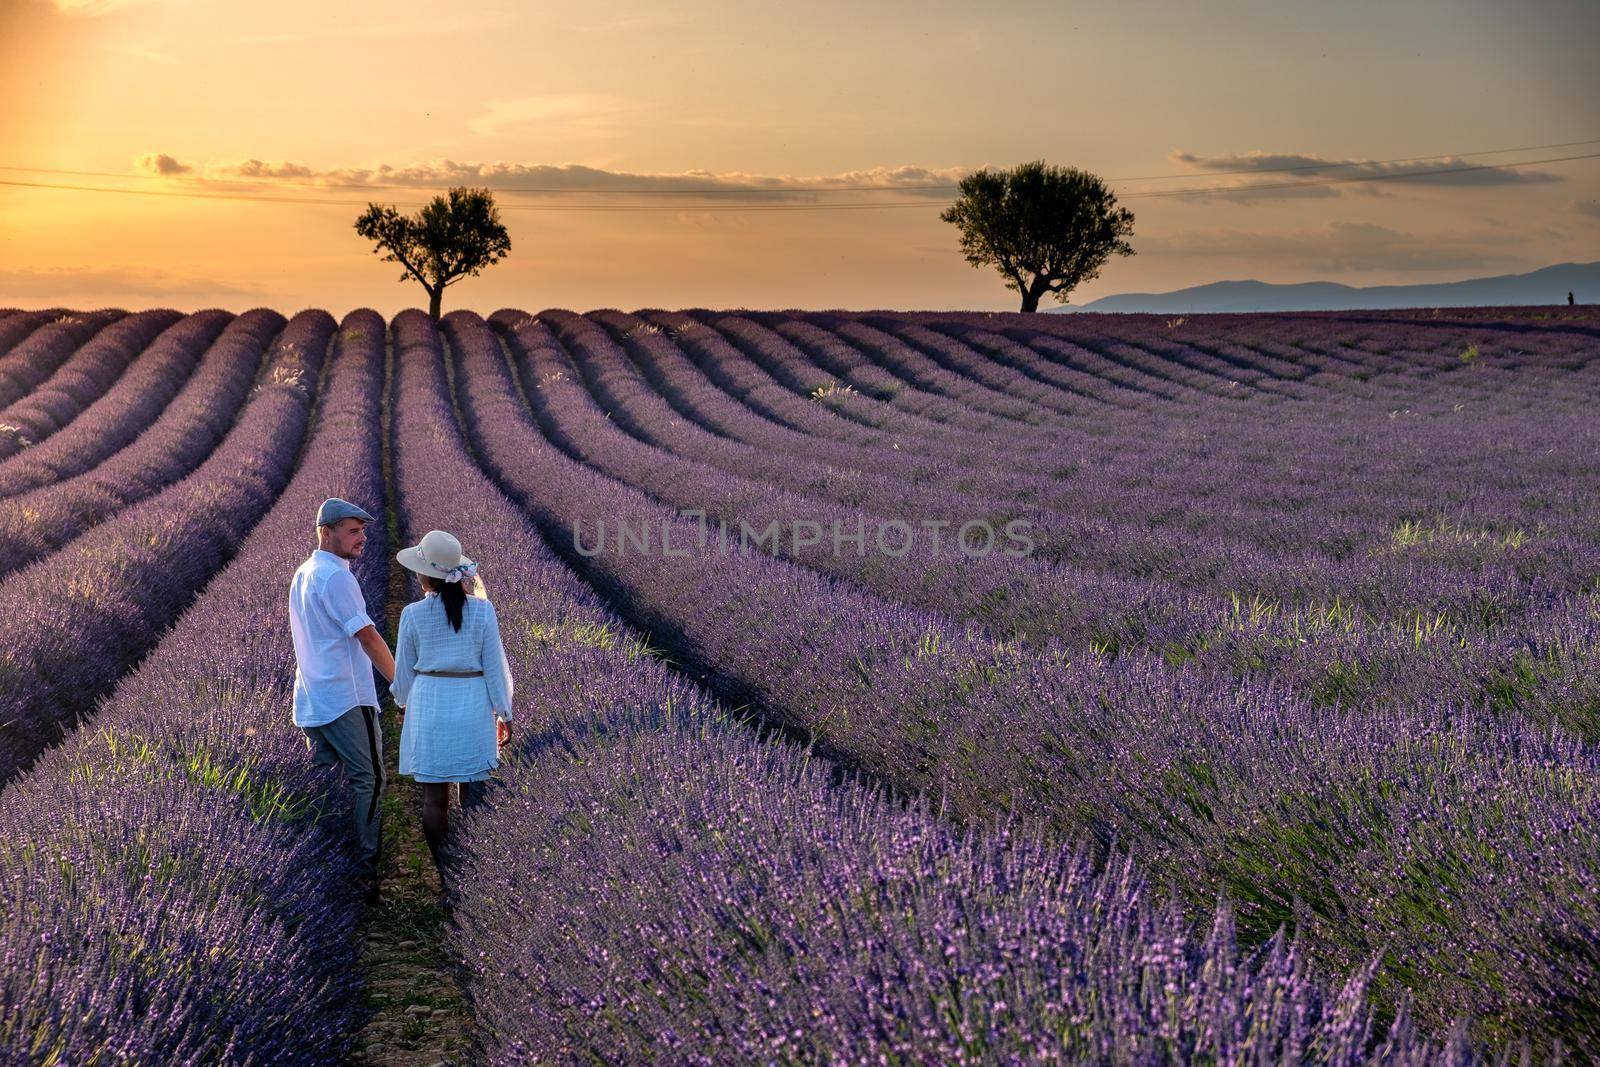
(419, 1014)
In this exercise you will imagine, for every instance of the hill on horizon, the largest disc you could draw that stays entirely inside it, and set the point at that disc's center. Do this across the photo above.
(1548, 285)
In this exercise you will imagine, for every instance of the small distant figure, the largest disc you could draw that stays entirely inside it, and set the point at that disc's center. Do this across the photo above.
(1569, 300)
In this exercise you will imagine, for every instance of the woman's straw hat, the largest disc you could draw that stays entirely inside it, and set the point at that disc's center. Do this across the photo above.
(438, 555)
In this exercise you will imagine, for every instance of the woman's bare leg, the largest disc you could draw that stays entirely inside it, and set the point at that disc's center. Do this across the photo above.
(435, 816)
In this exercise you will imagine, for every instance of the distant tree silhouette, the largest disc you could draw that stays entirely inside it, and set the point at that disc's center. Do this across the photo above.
(451, 238)
(1569, 300)
(1046, 228)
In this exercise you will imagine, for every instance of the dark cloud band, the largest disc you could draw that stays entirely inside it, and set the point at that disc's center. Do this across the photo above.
(567, 178)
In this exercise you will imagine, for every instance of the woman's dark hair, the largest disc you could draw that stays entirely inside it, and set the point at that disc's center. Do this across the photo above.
(452, 594)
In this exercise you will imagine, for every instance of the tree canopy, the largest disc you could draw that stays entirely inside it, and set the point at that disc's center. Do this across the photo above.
(1046, 228)
(451, 238)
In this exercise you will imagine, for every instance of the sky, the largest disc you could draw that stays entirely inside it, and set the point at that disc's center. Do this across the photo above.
(251, 135)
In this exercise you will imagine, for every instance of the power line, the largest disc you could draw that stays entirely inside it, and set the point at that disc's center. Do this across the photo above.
(554, 190)
(1217, 190)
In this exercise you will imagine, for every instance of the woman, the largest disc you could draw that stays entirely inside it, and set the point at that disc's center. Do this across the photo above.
(451, 681)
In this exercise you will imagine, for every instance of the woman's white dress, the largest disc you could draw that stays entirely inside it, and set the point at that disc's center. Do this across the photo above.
(449, 732)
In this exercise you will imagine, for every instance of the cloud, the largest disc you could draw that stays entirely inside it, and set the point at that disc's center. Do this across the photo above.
(162, 164)
(1590, 208)
(1342, 246)
(167, 166)
(94, 286)
(254, 168)
(1289, 174)
(909, 181)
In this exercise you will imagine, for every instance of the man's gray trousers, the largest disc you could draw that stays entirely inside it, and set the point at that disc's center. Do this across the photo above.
(354, 741)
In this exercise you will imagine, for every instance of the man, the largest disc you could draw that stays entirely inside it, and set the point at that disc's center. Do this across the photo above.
(336, 645)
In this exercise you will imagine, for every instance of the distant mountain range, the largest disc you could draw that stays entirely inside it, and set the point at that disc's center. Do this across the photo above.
(1547, 286)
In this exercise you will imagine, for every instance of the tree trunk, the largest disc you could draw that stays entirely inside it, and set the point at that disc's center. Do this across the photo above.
(1036, 289)
(435, 297)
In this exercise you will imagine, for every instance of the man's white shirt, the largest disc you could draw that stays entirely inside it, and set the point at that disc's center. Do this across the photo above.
(326, 611)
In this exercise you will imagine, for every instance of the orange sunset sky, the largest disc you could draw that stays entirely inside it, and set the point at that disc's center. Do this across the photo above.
(712, 154)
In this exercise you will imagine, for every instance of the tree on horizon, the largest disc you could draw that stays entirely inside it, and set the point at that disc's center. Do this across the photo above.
(451, 238)
(1046, 228)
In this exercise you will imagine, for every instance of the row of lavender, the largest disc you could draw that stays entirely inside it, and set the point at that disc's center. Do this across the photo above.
(1123, 443)
(1256, 490)
(1388, 510)
(1360, 356)
(123, 411)
(185, 432)
(683, 465)
(1101, 480)
(79, 381)
(78, 618)
(1353, 822)
(34, 344)
(1474, 515)
(1578, 976)
(1094, 508)
(178, 880)
(652, 881)
(17, 325)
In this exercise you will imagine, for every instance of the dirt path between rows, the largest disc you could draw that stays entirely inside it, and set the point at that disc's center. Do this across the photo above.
(420, 1016)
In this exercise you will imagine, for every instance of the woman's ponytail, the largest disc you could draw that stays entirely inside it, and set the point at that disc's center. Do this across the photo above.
(452, 594)
(455, 598)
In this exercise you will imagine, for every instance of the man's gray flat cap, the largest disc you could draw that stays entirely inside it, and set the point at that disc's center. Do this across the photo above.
(333, 509)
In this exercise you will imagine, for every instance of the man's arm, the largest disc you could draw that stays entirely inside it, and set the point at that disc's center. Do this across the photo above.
(342, 594)
(377, 650)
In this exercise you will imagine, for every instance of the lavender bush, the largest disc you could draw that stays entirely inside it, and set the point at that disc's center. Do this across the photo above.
(692, 895)
(745, 908)
(1311, 631)
(1318, 821)
(35, 343)
(1026, 599)
(178, 877)
(125, 410)
(79, 381)
(37, 522)
(17, 325)
(119, 585)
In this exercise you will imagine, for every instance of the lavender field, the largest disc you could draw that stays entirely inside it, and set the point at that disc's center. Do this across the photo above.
(898, 687)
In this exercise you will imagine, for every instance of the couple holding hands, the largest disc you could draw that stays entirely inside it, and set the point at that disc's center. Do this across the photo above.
(449, 676)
